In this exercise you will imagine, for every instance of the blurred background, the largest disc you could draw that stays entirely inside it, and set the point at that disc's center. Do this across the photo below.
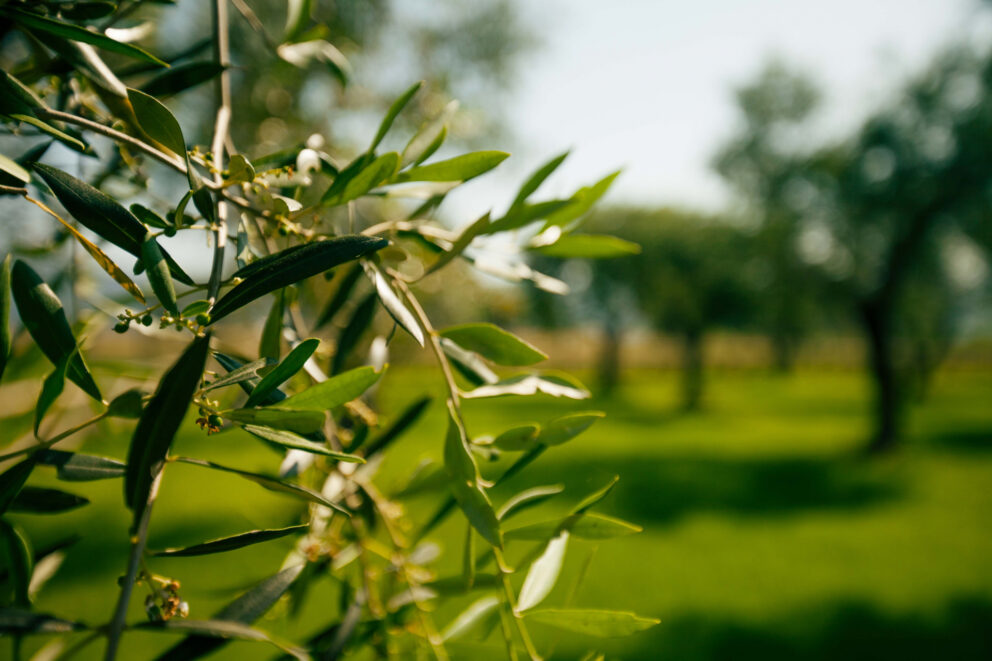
(796, 368)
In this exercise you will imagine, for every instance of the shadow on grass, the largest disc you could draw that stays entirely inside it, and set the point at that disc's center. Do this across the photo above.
(849, 630)
(665, 489)
(965, 441)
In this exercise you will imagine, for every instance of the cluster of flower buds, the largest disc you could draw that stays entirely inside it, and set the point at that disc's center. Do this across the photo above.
(210, 421)
(165, 603)
(126, 317)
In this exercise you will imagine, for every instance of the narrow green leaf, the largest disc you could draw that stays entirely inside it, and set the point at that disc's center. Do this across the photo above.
(429, 137)
(494, 343)
(345, 285)
(469, 364)
(378, 172)
(567, 427)
(299, 264)
(527, 499)
(584, 199)
(297, 17)
(246, 609)
(195, 308)
(475, 614)
(405, 420)
(478, 510)
(589, 246)
(75, 467)
(525, 214)
(543, 574)
(518, 439)
(591, 526)
(394, 110)
(468, 557)
(531, 384)
(128, 404)
(239, 170)
(202, 198)
(394, 306)
(239, 374)
(12, 481)
(458, 459)
(157, 270)
(70, 141)
(270, 483)
(221, 631)
(283, 371)
(595, 496)
(16, 551)
(292, 441)
(18, 622)
(14, 169)
(360, 321)
(16, 98)
(42, 314)
(157, 121)
(77, 33)
(301, 422)
(334, 392)
(50, 390)
(459, 168)
(461, 243)
(270, 342)
(159, 423)
(181, 78)
(601, 623)
(5, 337)
(42, 500)
(232, 542)
(534, 182)
(102, 214)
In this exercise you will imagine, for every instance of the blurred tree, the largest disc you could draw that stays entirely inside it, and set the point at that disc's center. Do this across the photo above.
(916, 174)
(694, 273)
(763, 164)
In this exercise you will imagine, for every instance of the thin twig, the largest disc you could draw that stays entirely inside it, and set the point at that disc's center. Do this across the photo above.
(44, 445)
(222, 54)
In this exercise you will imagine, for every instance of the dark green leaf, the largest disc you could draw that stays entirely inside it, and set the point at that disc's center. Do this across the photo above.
(590, 526)
(77, 33)
(5, 337)
(19, 622)
(290, 440)
(149, 217)
(270, 342)
(334, 392)
(86, 11)
(301, 422)
(16, 98)
(50, 390)
(375, 173)
(409, 416)
(527, 499)
(246, 609)
(239, 373)
(494, 343)
(181, 78)
(345, 285)
(360, 321)
(102, 214)
(221, 631)
(42, 314)
(42, 500)
(601, 623)
(394, 110)
(283, 371)
(12, 481)
(589, 246)
(233, 542)
(203, 200)
(157, 270)
(128, 404)
(309, 260)
(459, 168)
(75, 467)
(159, 423)
(271, 483)
(16, 552)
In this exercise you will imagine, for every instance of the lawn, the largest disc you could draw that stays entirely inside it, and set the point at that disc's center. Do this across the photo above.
(765, 536)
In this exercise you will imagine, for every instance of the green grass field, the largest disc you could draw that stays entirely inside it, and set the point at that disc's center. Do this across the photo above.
(765, 536)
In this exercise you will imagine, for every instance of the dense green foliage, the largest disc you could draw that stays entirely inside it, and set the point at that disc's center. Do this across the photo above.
(304, 226)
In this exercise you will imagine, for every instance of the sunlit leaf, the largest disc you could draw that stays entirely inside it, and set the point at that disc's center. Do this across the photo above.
(458, 459)
(534, 182)
(543, 574)
(301, 263)
(601, 623)
(478, 510)
(77, 33)
(14, 169)
(239, 374)
(375, 173)
(221, 631)
(494, 343)
(333, 392)
(292, 441)
(429, 138)
(232, 542)
(531, 384)
(590, 526)
(394, 110)
(159, 422)
(518, 439)
(157, 121)
(469, 364)
(301, 422)
(589, 246)
(394, 306)
(472, 616)
(42, 314)
(527, 499)
(290, 365)
(459, 168)
(583, 200)
(567, 427)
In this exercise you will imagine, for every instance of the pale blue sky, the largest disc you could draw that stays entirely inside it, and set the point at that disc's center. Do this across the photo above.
(647, 84)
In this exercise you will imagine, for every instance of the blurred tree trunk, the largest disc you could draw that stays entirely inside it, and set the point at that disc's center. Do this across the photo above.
(692, 368)
(783, 351)
(877, 322)
(609, 357)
